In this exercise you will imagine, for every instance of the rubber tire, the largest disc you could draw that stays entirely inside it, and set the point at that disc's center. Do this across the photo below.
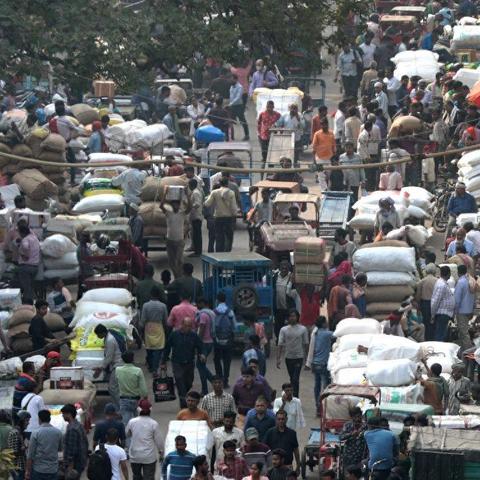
(236, 291)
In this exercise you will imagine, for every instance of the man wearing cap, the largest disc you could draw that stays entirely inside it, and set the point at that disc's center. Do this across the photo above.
(103, 426)
(135, 222)
(253, 445)
(146, 442)
(460, 202)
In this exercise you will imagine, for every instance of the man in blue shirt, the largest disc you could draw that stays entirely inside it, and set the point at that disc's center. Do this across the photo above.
(464, 306)
(461, 202)
(382, 447)
(318, 354)
(461, 241)
(237, 106)
(180, 461)
(262, 419)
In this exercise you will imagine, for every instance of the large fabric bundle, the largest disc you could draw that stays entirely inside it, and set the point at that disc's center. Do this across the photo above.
(54, 143)
(468, 76)
(362, 221)
(10, 367)
(348, 359)
(469, 159)
(351, 342)
(415, 55)
(385, 243)
(21, 345)
(465, 36)
(99, 203)
(117, 134)
(309, 250)
(387, 293)
(57, 245)
(64, 273)
(349, 326)
(385, 259)
(390, 347)
(117, 296)
(108, 158)
(310, 274)
(63, 396)
(35, 185)
(153, 187)
(84, 113)
(86, 308)
(350, 376)
(99, 186)
(67, 261)
(148, 137)
(389, 278)
(391, 373)
(22, 150)
(110, 320)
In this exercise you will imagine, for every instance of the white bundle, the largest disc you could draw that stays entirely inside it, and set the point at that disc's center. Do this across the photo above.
(376, 278)
(409, 56)
(417, 234)
(464, 218)
(417, 212)
(468, 76)
(65, 262)
(391, 373)
(109, 320)
(37, 360)
(409, 394)
(364, 221)
(85, 308)
(390, 347)
(99, 203)
(108, 158)
(445, 362)
(374, 197)
(117, 296)
(347, 359)
(10, 367)
(57, 246)
(351, 342)
(349, 326)
(64, 273)
(397, 234)
(465, 36)
(117, 134)
(469, 159)
(389, 259)
(425, 70)
(350, 376)
(441, 348)
(148, 137)
(198, 434)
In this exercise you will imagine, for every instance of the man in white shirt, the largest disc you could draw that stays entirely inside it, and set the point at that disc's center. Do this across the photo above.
(473, 235)
(367, 148)
(392, 85)
(227, 432)
(368, 49)
(339, 123)
(131, 182)
(146, 442)
(292, 405)
(32, 403)
(381, 97)
(118, 457)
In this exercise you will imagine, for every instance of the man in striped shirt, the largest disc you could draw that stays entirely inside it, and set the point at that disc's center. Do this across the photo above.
(442, 305)
(180, 461)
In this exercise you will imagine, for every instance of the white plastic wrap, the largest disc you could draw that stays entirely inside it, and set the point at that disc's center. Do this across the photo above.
(37, 360)
(363, 221)
(469, 159)
(465, 36)
(464, 218)
(390, 347)
(376, 278)
(445, 362)
(350, 376)
(117, 134)
(85, 308)
(468, 76)
(426, 71)
(355, 325)
(99, 203)
(347, 359)
(441, 348)
(391, 373)
(57, 245)
(197, 433)
(67, 261)
(409, 394)
(10, 367)
(282, 98)
(10, 298)
(108, 157)
(417, 234)
(417, 212)
(351, 342)
(117, 296)
(389, 259)
(409, 56)
(148, 137)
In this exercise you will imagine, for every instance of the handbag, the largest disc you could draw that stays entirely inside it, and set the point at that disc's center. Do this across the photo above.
(164, 389)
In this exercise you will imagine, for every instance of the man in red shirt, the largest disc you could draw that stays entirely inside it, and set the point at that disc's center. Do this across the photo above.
(317, 120)
(266, 120)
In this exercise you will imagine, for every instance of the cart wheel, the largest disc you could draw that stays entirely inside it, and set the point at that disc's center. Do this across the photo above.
(245, 297)
(303, 464)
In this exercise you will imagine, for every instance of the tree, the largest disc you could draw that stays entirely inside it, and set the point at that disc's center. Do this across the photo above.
(86, 39)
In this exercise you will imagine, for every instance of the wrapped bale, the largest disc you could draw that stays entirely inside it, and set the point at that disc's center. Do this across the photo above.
(152, 214)
(84, 113)
(405, 125)
(309, 250)
(388, 293)
(54, 143)
(35, 185)
(154, 186)
(310, 274)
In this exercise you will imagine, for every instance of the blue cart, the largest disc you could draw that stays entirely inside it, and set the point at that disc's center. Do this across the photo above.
(246, 278)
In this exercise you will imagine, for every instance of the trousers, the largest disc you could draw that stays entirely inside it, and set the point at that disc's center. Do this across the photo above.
(128, 409)
(463, 335)
(175, 256)
(26, 276)
(143, 471)
(183, 374)
(238, 111)
(294, 368)
(322, 380)
(197, 236)
(224, 234)
(222, 358)
(441, 327)
(203, 370)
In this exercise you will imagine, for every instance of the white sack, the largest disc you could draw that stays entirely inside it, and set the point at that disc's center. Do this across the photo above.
(465, 36)
(365, 221)
(391, 373)
(390, 259)
(65, 273)
(464, 218)
(65, 262)
(10, 367)
(446, 348)
(416, 212)
(376, 278)
(99, 203)
(409, 56)
(468, 76)
(390, 347)
(110, 320)
(469, 159)
(117, 296)
(426, 71)
(351, 342)
(347, 359)
(445, 362)
(57, 245)
(417, 234)
(117, 134)
(108, 157)
(85, 308)
(38, 361)
(355, 325)
(148, 137)
(410, 394)
(350, 376)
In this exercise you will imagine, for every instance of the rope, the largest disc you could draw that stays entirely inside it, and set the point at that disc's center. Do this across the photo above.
(313, 168)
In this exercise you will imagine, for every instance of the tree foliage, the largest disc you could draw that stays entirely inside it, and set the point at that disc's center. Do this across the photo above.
(86, 39)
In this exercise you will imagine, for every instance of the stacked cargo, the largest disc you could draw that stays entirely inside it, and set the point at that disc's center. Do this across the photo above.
(309, 261)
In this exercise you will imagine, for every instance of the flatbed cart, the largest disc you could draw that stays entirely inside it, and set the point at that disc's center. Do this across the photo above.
(282, 144)
(333, 213)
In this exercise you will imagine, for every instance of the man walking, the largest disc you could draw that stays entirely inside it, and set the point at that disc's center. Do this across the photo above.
(75, 450)
(225, 212)
(442, 305)
(184, 344)
(355, 177)
(146, 443)
(266, 120)
(237, 107)
(117, 455)
(227, 432)
(293, 341)
(293, 120)
(464, 305)
(196, 216)
(131, 386)
(217, 403)
(347, 69)
(43, 448)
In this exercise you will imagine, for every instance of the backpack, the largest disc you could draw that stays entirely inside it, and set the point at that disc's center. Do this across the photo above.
(122, 343)
(211, 314)
(99, 465)
(224, 327)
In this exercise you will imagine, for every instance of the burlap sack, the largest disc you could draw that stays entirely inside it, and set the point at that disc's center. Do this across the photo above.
(21, 345)
(386, 243)
(37, 205)
(11, 168)
(84, 113)
(405, 125)
(54, 143)
(386, 308)
(49, 156)
(34, 143)
(22, 150)
(20, 330)
(63, 396)
(153, 231)
(55, 322)
(22, 314)
(309, 250)
(389, 293)
(35, 185)
(154, 186)
(152, 215)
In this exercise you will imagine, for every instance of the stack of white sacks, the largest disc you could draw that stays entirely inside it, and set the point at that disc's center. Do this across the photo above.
(390, 274)
(469, 172)
(107, 306)
(423, 63)
(59, 255)
(392, 363)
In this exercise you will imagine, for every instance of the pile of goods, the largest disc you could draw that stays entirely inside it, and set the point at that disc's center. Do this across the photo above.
(390, 274)
(465, 37)
(199, 436)
(469, 172)
(423, 63)
(309, 261)
(60, 257)
(107, 306)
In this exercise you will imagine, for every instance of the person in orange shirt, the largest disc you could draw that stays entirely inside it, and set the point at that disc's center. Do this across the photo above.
(192, 412)
(324, 147)
(317, 120)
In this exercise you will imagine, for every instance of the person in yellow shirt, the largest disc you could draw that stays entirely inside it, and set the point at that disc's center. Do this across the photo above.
(323, 146)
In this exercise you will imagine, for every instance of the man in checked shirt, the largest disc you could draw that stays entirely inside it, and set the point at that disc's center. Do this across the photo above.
(217, 402)
(442, 305)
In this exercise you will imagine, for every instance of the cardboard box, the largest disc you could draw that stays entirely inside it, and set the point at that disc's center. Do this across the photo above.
(104, 88)
(65, 378)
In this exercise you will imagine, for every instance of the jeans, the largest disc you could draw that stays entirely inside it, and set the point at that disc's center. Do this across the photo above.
(197, 236)
(204, 372)
(441, 327)
(224, 234)
(280, 321)
(294, 368)
(183, 374)
(26, 276)
(128, 409)
(322, 379)
(238, 111)
(143, 471)
(43, 476)
(211, 234)
(175, 256)
(222, 357)
(153, 359)
(371, 174)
